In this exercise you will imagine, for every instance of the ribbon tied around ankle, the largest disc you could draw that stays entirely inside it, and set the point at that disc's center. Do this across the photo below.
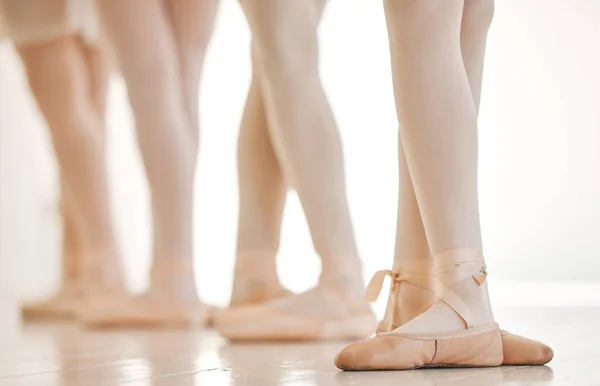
(451, 274)
(376, 283)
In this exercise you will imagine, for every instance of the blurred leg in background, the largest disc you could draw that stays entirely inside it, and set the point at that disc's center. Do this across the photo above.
(160, 46)
(307, 146)
(262, 195)
(68, 76)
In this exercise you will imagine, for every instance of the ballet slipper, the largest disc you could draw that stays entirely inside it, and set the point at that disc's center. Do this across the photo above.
(171, 302)
(475, 346)
(61, 306)
(322, 313)
(257, 293)
(518, 350)
(248, 292)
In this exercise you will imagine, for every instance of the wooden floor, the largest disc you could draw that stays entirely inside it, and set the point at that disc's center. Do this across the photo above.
(46, 354)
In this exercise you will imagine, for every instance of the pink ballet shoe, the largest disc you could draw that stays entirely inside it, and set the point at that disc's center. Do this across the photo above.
(61, 306)
(322, 313)
(517, 350)
(475, 346)
(171, 302)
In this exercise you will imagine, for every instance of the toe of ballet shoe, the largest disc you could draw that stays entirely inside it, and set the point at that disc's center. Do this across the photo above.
(56, 308)
(248, 323)
(31, 312)
(519, 350)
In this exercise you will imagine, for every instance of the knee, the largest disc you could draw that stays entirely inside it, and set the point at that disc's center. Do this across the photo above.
(423, 21)
(63, 98)
(287, 52)
(284, 44)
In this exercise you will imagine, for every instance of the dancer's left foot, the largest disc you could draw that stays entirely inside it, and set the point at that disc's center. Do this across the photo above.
(412, 293)
(60, 306)
(326, 312)
(458, 330)
(171, 301)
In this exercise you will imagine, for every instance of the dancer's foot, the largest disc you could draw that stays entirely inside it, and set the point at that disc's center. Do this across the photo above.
(61, 306)
(248, 291)
(326, 312)
(171, 301)
(87, 283)
(410, 286)
(255, 280)
(519, 351)
(457, 330)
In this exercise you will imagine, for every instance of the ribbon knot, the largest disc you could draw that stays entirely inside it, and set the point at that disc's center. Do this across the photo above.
(480, 276)
(376, 284)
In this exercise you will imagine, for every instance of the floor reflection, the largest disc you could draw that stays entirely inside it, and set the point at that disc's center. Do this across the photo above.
(64, 355)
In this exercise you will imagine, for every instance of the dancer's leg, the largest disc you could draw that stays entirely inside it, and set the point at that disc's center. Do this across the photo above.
(192, 23)
(441, 148)
(60, 81)
(262, 193)
(98, 75)
(412, 251)
(145, 46)
(307, 145)
(303, 128)
(141, 33)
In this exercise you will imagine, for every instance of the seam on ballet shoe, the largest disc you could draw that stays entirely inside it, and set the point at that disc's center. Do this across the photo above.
(435, 351)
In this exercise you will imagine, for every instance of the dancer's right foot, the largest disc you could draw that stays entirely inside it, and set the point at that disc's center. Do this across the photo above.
(412, 293)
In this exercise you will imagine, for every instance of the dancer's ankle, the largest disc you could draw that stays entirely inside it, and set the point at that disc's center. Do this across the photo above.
(256, 265)
(173, 278)
(343, 275)
(473, 291)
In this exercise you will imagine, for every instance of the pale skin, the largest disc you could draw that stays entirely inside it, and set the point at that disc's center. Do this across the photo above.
(289, 138)
(160, 47)
(68, 79)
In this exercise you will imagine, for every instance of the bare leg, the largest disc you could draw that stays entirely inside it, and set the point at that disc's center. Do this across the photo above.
(147, 49)
(262, 194)
(303, 129)
(59, 79)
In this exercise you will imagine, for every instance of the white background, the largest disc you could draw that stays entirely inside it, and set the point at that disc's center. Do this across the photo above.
(539, 170)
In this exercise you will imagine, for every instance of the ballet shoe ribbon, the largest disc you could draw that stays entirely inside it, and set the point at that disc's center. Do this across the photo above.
(376, 283)
(452, 273)
(480, 275)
